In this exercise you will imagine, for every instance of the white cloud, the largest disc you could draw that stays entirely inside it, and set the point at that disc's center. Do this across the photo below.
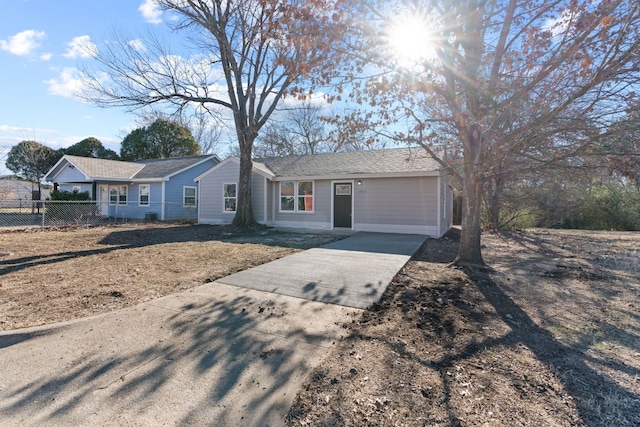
(45, 56)
(68, 84)
(137, 44)
(151, 12)
(23, 43)
(81, 47)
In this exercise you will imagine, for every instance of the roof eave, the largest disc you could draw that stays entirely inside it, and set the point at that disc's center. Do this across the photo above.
(359, 175)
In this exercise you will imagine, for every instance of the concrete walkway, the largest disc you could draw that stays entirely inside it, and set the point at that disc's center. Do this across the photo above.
(215, 355)
(353, 272)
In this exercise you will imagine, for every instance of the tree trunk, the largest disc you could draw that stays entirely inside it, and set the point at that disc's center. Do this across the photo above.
(244, 209)
(469, 253)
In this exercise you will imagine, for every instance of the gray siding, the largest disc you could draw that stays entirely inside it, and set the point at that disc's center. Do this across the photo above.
(403, 205)
(320, 218)
(446, 206)
(257, 197)
(211, 198)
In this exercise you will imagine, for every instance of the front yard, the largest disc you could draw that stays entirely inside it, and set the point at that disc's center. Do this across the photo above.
(550, 338)
(50, 276)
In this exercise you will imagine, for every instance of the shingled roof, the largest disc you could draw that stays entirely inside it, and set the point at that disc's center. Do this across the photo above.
(106, 169)
(160, 168)
(390, 161)
(100, 169)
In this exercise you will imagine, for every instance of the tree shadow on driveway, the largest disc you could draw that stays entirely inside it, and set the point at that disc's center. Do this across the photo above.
(233, 360)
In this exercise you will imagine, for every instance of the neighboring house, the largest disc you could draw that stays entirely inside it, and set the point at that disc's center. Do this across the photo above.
(395, 191)
(162, 188)
(15, 188)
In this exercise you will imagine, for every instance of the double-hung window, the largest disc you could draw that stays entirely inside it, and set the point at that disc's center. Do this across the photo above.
(122, 195)
(118, 195)
(113, 195)
(189, 196)
(144, 194)
(296, 196)
(230, 197)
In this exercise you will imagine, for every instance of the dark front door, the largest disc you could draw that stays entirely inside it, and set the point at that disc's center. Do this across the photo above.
(342, 204)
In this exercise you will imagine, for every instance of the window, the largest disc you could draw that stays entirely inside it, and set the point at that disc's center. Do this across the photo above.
(113, 196)
(144, 194)
(287, 193)
(76, 188)
(118, 195)
(122, 195)
(230, 197)
(296, 196)
(305, 196)
(189, 196)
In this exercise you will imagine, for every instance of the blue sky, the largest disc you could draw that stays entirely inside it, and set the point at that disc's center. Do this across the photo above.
(39, 59)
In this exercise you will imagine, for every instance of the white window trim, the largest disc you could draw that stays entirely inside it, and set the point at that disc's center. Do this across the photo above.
(224, 199)
(140, 195)
(296, 196)
(184, 196)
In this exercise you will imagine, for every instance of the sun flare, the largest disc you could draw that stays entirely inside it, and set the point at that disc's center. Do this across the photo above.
(411, 41)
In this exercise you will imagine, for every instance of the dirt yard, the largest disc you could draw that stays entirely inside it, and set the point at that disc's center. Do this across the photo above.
(550, 338)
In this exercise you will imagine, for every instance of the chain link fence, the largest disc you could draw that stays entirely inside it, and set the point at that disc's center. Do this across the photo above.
(47, 213)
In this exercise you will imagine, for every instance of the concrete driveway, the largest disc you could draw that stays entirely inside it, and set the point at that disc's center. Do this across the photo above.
(215, 355)
(353, 272)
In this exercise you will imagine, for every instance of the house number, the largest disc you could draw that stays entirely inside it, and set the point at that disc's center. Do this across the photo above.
(362, 190)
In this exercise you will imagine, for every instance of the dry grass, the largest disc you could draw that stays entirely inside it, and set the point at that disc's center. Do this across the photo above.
(54, 275)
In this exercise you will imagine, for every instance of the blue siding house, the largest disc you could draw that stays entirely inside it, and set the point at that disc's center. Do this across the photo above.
(161, 189)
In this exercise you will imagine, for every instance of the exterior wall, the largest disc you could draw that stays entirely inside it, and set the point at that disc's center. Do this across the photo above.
(446, 212)
(211, 195)
(174, 193)
(258, 197)
(319, 218)
(69, 175)
(132, 209)
(397, 205)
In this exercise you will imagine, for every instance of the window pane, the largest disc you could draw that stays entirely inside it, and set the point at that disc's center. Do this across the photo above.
(305, 203)
(113, 196)
(229, 190)
(230, 204)
(190, 192)
(286, 203)
(287, 189)
(305, 188)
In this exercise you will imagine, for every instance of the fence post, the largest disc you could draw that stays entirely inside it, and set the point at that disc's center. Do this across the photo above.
(44, 209)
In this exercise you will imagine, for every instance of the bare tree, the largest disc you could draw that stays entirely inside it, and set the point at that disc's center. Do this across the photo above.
(251, 54)
(509, 82)
(301, 131)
